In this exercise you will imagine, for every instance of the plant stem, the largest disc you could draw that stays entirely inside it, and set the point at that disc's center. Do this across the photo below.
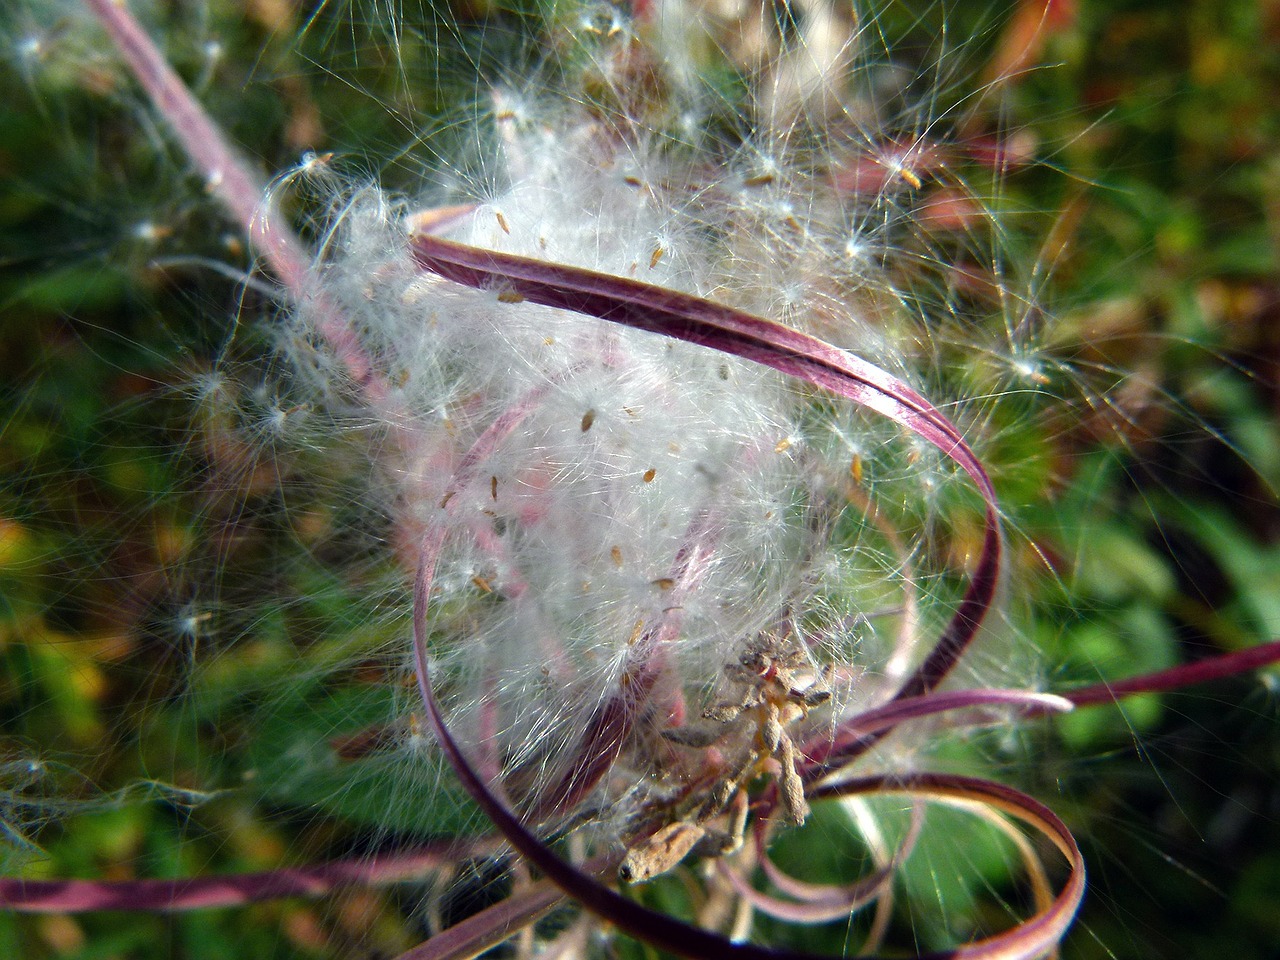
(242, 193)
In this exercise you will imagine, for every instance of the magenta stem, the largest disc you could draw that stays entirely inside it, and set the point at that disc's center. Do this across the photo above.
(191, 893)
(1188, 674)
(228, 178)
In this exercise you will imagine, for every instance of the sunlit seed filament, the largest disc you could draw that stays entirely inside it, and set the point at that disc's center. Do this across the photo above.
(311, 162)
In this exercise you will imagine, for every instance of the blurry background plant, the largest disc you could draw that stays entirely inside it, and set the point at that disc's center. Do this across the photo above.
(176, 599)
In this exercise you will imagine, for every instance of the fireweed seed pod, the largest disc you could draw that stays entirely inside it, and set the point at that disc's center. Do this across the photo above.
(632, 533)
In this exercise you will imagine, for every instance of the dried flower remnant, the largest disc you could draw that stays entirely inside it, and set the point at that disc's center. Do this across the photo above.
(747, 737)
(769, 698)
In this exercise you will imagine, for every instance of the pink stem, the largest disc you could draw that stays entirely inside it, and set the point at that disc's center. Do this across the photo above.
(191, 893)
(1202, 671)
(229, 179)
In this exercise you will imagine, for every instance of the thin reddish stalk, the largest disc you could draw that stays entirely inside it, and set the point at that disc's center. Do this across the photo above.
(229, 178)
(193, 893)
(1185, 675)
(489, 927)
(825, 755)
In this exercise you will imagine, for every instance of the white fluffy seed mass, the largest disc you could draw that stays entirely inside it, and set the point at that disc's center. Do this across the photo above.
(658, 507)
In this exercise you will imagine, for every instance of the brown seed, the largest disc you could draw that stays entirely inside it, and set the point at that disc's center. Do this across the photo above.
(649, 475)
(660, 852)
(588, 419)
(793, 799)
